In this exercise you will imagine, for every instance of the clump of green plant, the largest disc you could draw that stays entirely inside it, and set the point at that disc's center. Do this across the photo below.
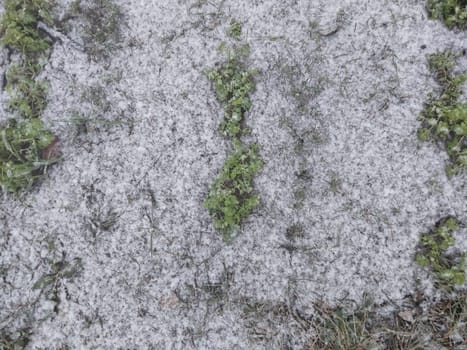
(23, 153)
(28, 96)
(433, 252)
(444, 119)
(452, 12)
(231, 196)
(233, 85)
(18, 27)
(14, 341)
(23, 147)
(235, 29)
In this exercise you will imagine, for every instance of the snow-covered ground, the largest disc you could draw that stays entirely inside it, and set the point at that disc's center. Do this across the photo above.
(339, 88)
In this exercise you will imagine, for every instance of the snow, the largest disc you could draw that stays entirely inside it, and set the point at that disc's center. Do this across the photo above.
(141, 172)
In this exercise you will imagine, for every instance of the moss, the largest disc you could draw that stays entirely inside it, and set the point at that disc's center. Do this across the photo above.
(23, 155)
(432, 252)
(18, 26)
(452, 12)
(233, 85)
(231, 196)
(235, 29)
(444, 119)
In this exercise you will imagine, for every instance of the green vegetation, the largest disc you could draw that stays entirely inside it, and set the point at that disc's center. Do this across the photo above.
(452, 12)
(15, 341)
(442, 325)
(235, 29)
(231, 197)
(233, 85)
(432, 252)
(23, 153)
(25, 144)
(18, 30)
(28, 97)
(18, 27)
(444, 119)
(338, 329)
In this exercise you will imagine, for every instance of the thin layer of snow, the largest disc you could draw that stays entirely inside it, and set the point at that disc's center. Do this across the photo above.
(139, 175)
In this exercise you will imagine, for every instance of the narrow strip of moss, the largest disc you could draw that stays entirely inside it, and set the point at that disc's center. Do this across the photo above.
(231, 197)
(233, 85)
(452, 12)
(432, 252)
(444, 119)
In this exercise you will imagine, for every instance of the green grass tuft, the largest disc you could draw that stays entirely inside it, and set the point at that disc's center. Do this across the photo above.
(452, 12)
(444, 119)
(18, 27)
(28, 96)
(23, 156)
(338, 329)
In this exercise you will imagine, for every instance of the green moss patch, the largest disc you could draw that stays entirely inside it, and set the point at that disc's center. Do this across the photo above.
(444, 119)
(452, 12)
(433, 253)
(233, 85)
(235, 29)
(231, 197)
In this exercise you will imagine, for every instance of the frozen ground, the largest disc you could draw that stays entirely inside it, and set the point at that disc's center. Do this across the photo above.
(340, 86)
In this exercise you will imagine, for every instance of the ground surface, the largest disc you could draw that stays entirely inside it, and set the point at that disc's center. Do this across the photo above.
(339, 88)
